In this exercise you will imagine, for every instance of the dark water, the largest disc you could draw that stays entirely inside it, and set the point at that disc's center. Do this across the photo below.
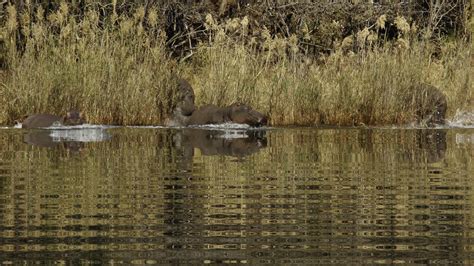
(281, 196)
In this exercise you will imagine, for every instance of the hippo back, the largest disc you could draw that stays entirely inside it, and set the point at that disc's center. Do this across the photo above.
(244, 114)
(235, 113)
(209, 114)
(41, 120)
(71, 118)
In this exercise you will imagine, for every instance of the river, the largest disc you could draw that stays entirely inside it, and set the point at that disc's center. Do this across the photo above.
(154, 195)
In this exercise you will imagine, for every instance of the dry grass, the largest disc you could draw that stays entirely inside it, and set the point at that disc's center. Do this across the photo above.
(371, 86)
(119, 73)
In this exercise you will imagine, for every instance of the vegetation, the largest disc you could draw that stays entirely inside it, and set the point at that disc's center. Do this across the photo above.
(116, 62)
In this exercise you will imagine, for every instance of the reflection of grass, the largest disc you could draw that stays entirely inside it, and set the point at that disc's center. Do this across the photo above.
(120, 73)
(133, 183)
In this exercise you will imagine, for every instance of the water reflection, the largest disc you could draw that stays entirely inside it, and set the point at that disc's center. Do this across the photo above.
(236, 143)
(293, 196)
(72, 140)
(421, 145)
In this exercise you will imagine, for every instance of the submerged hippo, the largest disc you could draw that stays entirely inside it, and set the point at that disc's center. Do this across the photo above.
(184, 104)
(235, 113)
(431, 103)
(72, 118)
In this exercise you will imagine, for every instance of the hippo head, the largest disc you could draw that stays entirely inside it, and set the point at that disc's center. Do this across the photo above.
(244, 114)
(185, 98)
(73, 118)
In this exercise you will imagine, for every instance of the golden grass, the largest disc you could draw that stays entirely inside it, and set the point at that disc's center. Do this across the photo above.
(116, 75)
(369, 87)
(120, 73)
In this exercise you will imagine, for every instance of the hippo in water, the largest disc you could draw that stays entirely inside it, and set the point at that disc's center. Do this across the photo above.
(184, 104)
(431, 105)
(72, 118)
(235, 113)
(185, 113)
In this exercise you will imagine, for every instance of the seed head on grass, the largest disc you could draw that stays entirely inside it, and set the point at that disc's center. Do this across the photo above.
(362, 37)
(402, 25)
(12, 23)
(380, 23)
(152, 18)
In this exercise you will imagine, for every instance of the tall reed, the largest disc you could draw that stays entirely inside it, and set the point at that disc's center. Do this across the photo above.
(118, 71)
(371, 86)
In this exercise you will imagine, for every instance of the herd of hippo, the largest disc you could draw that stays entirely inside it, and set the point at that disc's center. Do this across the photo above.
(184, 113)
(431, 101)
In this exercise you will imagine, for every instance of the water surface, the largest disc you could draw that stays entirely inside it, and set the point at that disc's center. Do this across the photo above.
(275, 196)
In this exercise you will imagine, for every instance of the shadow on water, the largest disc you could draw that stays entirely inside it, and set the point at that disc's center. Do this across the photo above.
(282, 196)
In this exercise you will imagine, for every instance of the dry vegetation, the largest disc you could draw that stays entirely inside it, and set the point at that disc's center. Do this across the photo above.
(118, 66)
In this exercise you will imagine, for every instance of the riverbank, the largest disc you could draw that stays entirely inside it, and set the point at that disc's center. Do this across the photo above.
(122, 73)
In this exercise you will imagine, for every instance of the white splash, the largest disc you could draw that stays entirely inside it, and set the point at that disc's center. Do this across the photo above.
(146, 127)
(462, 119)
(83, 126)
(223, 126)
(80, 135)
(233, 134)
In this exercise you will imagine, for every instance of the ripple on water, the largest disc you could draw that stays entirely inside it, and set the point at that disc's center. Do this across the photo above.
(308, 196)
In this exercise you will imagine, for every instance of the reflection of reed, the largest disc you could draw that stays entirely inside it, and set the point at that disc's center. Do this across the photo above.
(331, 195)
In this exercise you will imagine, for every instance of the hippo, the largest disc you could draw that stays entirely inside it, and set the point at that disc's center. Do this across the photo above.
(235, 113)
(72, 118)
(184, 104)
(185, 113)
(431, 103)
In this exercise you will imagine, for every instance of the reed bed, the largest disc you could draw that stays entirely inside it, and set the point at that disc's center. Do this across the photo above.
(117, 70)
